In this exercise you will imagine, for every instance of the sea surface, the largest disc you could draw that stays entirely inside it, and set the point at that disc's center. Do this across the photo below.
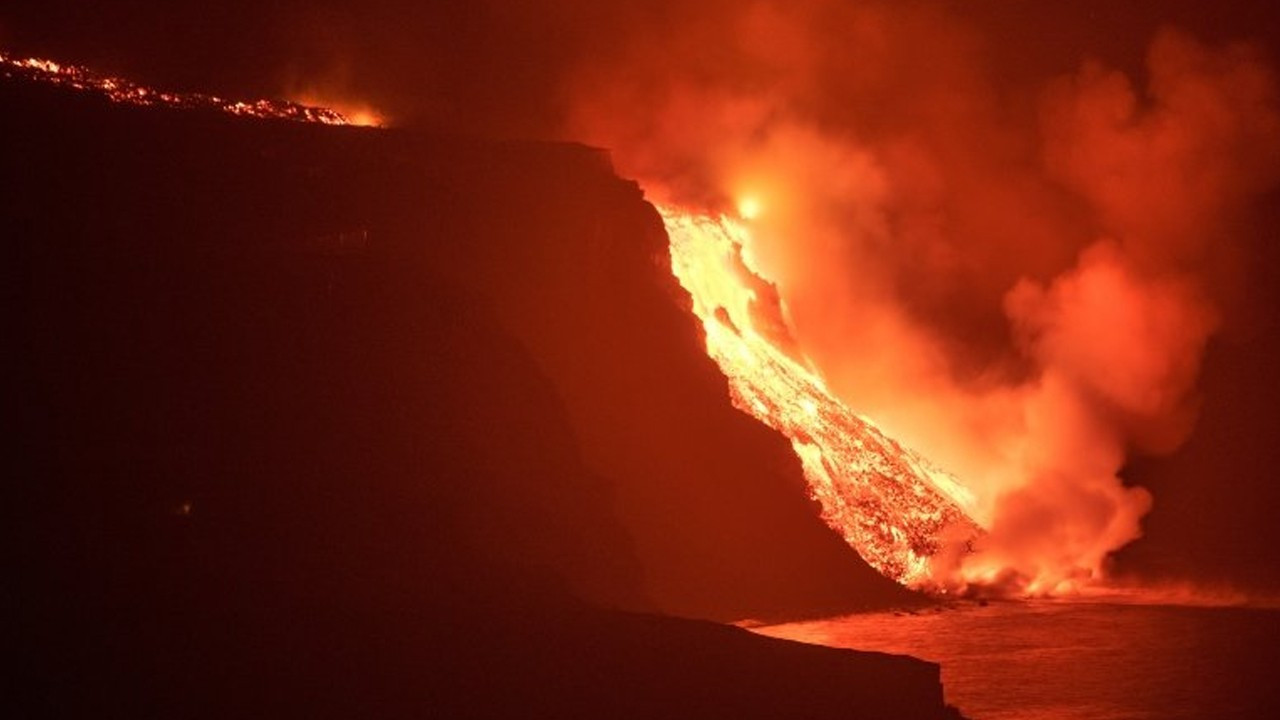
(1053, 660)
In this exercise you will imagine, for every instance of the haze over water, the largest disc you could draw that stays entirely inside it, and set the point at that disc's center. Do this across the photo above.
(1056, 660)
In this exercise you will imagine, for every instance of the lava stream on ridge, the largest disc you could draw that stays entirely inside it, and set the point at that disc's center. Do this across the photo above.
(124, 91)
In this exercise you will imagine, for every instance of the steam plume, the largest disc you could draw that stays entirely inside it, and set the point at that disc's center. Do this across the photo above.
(1021, 290)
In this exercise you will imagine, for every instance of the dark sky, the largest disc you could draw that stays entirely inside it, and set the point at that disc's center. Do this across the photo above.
(514, 69)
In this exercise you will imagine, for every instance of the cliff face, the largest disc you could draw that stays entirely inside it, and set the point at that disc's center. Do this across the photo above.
(575, 266)
(323, 421)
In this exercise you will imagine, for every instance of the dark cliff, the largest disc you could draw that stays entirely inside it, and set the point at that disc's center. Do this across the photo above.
(322, 421)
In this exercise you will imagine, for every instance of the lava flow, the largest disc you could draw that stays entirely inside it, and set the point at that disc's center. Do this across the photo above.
(128, 92)
(896, 509)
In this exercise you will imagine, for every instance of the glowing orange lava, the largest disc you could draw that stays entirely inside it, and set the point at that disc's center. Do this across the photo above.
(128, 92)
(897, 510)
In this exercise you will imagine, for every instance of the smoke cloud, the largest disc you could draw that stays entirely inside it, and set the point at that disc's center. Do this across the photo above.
(1018, 281)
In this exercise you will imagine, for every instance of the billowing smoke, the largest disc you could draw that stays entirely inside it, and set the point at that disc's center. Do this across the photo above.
(1018, 282)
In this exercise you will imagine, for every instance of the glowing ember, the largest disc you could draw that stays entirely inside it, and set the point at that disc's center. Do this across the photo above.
(125, 91)
(898, 511)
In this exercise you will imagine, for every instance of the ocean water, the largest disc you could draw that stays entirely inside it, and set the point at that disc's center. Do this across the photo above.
(1052, 660)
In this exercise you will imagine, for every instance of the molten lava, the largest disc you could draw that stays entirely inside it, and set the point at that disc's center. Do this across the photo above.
(896, 509)
(125, 91)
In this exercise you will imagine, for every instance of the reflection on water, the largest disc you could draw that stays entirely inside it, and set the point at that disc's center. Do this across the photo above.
(1061, 661)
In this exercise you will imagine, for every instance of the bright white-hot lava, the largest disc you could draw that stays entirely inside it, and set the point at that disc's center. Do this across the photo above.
(896, 509)
(908, 518)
